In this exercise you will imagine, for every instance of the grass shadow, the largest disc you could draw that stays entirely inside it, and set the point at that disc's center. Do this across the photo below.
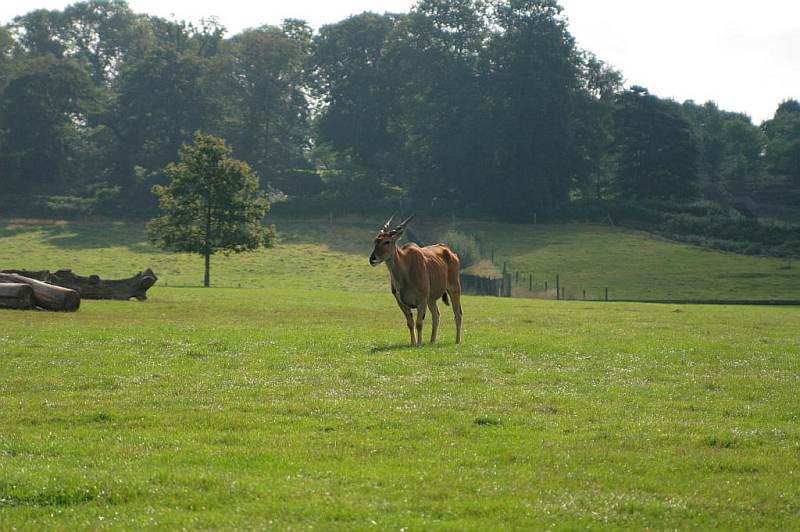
(12, 227)
(351, 236)
(81, 235)
(100, 235)
(406, 345)
(390, 347)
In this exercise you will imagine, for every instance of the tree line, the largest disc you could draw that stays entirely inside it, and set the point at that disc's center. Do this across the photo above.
(470, 107)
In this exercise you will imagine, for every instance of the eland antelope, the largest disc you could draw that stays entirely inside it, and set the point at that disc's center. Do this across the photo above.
(419, 277)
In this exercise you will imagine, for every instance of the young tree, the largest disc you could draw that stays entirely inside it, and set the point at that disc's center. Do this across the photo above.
(212, 204)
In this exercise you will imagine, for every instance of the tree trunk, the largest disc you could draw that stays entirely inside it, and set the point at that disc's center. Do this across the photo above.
(93, 287)
(16, 295)
(47, 296)
(207, 247)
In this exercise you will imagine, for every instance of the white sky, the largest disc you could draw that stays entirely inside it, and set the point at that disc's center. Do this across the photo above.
(742, 54)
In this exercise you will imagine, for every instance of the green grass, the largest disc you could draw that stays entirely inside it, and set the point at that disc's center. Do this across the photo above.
(634, 264)
(299, 405)
(120, 249)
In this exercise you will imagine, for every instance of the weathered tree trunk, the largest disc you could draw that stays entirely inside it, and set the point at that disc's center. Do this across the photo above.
(16, 295)
(47, 296)
(93, 287)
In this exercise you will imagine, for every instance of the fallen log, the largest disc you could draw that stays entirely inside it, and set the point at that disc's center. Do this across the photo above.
(93, 287)
(16, 295)
(47, 296)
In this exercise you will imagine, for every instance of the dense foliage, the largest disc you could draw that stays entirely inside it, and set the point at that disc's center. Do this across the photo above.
(469, 107)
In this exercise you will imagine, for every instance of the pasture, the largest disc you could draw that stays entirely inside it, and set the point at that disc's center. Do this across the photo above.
(635, 264)
(294, 402)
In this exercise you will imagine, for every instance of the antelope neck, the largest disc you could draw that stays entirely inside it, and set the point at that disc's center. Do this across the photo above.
(393, 263)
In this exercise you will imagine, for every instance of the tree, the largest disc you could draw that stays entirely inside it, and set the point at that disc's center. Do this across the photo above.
(744, 144)
(783, 141)
(162, 99)
(536, 76)
(99, 34)
(352, 80)
(729, 147)
(43, 113)
(269, 116)
(437, 55)
(37, 32)
(707, 123)
(657, 154)
(212, 204)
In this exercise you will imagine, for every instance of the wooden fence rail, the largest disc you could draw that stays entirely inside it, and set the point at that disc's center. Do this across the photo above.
(486, 286)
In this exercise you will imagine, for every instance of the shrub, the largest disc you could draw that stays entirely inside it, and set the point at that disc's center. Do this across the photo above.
(467, 248)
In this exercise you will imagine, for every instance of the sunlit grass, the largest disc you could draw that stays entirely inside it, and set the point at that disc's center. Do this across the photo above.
(292, 407)
(633, 264)
(324, 255)
(120, 249)
(299, 404)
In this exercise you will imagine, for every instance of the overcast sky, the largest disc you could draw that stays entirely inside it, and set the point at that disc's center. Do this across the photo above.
(742, 54)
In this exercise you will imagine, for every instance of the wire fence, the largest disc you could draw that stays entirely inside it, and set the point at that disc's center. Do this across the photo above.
(527, 285)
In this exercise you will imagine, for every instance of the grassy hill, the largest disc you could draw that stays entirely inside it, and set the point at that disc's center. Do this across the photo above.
(634, 264)
(114, 249)
(299, 405)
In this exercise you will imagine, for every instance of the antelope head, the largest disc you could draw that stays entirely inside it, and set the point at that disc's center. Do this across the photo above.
(386, 240)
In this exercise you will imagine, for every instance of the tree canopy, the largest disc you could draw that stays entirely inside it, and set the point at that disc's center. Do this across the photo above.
(470, 107)
(211, 204)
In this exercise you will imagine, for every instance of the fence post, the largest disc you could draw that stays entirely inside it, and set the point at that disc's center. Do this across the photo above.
(606, 293)
(530, 283)
(545, 289)
(584, 294)
(558, 287)
(517, 279)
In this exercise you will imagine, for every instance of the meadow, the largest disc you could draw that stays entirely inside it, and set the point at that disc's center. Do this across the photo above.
(325, 255)
(286, 397)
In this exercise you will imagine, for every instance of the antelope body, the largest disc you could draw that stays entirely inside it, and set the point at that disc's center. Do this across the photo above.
(419, 276)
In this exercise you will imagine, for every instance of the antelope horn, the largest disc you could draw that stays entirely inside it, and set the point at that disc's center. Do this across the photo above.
(404, 223)
(388, 222)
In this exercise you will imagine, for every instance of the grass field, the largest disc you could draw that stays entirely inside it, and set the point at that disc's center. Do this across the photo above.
(635, 265)
(297, 404)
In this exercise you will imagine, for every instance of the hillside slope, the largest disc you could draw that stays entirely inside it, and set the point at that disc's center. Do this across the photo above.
(632, 264)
